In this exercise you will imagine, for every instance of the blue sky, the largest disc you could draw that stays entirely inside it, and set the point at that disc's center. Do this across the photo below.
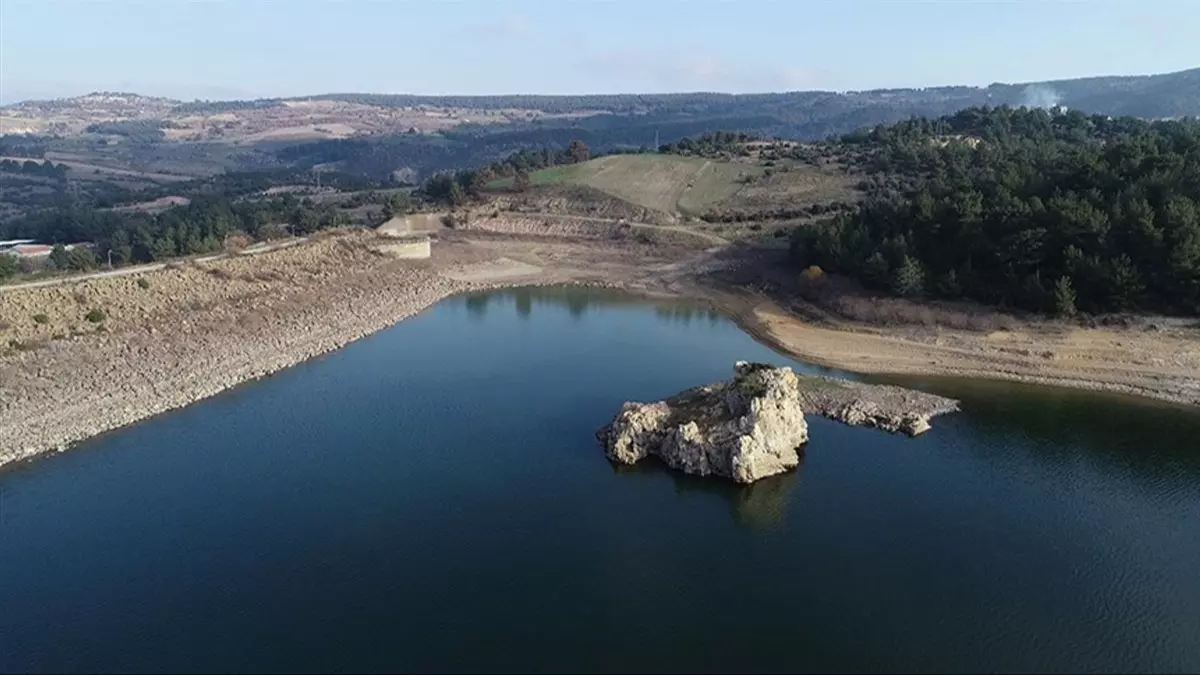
(253, 48)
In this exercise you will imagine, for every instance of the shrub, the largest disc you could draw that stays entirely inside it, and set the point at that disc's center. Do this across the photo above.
(236, 241)
(8, 266)
(96, 315)
(143, 283)
(273, 231)
(41, 319)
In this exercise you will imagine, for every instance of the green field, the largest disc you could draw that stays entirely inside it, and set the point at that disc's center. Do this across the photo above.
(667, 183)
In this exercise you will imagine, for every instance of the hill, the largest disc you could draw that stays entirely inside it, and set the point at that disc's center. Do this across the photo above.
(403, 139)
(665, 183)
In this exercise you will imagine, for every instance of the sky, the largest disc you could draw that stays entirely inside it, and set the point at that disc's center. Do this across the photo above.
(268, 48)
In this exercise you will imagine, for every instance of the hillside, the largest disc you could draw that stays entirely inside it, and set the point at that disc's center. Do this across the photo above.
(736, 190)
(1023, 208)
(665, 183)
(115, 143)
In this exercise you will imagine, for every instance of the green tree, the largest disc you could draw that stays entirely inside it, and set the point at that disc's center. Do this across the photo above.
(58, 257)
(876, 270)
(440, 188)
(1064, 297)
(396, 204)
(1126, 283)
(121, 246)
(80, 259)
(909, 280)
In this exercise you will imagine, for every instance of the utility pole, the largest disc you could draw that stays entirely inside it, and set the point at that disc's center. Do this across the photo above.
(110, 259)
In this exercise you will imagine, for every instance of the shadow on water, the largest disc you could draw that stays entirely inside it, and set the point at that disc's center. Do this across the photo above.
(760, 505)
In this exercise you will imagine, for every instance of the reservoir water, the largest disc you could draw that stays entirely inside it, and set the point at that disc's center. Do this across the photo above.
(433, 498)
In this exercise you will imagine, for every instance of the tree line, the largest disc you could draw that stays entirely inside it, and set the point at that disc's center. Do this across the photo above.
(453, 188)
(31, 167)
(1046, 211)
(710, 144)
(199, 227)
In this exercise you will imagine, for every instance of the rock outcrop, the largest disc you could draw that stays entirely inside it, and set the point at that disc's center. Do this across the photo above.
(745, 429)
(753, 426)
(893, 409)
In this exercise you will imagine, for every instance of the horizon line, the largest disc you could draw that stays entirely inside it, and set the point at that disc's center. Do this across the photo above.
(839, 92)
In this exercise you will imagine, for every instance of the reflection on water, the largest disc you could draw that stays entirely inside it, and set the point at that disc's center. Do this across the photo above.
(761, 505)
(578, 301)
(1139, 437)
(684, 314)
(433, 498)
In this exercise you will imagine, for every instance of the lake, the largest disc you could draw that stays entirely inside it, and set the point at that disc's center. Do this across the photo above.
(433, 498)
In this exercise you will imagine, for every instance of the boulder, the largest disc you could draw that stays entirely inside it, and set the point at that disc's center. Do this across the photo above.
(744, 429)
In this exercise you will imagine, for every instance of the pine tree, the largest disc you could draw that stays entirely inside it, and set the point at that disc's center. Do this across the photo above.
(910, 278)
(1064, 297)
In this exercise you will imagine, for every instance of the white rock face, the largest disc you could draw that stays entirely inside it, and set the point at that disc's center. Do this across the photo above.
(746, 429)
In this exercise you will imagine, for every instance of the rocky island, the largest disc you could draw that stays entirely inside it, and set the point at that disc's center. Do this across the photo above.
(753, 426)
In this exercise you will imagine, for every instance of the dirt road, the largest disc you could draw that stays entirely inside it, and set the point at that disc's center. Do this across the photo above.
(143, 269)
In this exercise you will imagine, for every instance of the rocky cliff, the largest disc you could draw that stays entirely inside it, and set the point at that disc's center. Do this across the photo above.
(745, 429)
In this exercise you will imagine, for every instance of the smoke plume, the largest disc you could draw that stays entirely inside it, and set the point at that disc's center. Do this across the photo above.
(1040, 96)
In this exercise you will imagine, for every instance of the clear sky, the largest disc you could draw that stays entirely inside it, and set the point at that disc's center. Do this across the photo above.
(256, 48)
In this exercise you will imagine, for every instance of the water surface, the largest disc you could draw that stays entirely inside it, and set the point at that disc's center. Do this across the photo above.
(432, 497)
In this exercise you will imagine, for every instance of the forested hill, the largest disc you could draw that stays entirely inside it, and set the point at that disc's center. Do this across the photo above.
(1152, 96)
(1047, 211)
(640, 119)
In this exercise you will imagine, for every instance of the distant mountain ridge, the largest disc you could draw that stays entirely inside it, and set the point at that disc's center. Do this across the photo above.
(1164, 95)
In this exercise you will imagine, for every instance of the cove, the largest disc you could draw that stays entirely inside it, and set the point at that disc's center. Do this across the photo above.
(433, 498)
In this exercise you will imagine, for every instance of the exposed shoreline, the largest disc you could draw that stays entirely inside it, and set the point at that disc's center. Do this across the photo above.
(1187, 393)
(157, 365)
(199, 330)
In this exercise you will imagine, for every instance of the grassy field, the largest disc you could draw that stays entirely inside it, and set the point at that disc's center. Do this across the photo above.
(666, 183)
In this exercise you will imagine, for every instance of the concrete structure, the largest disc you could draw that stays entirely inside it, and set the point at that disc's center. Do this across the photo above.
(411, 247)
(402, 226)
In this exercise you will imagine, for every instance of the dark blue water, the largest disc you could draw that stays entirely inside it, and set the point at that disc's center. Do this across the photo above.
(432, 498)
